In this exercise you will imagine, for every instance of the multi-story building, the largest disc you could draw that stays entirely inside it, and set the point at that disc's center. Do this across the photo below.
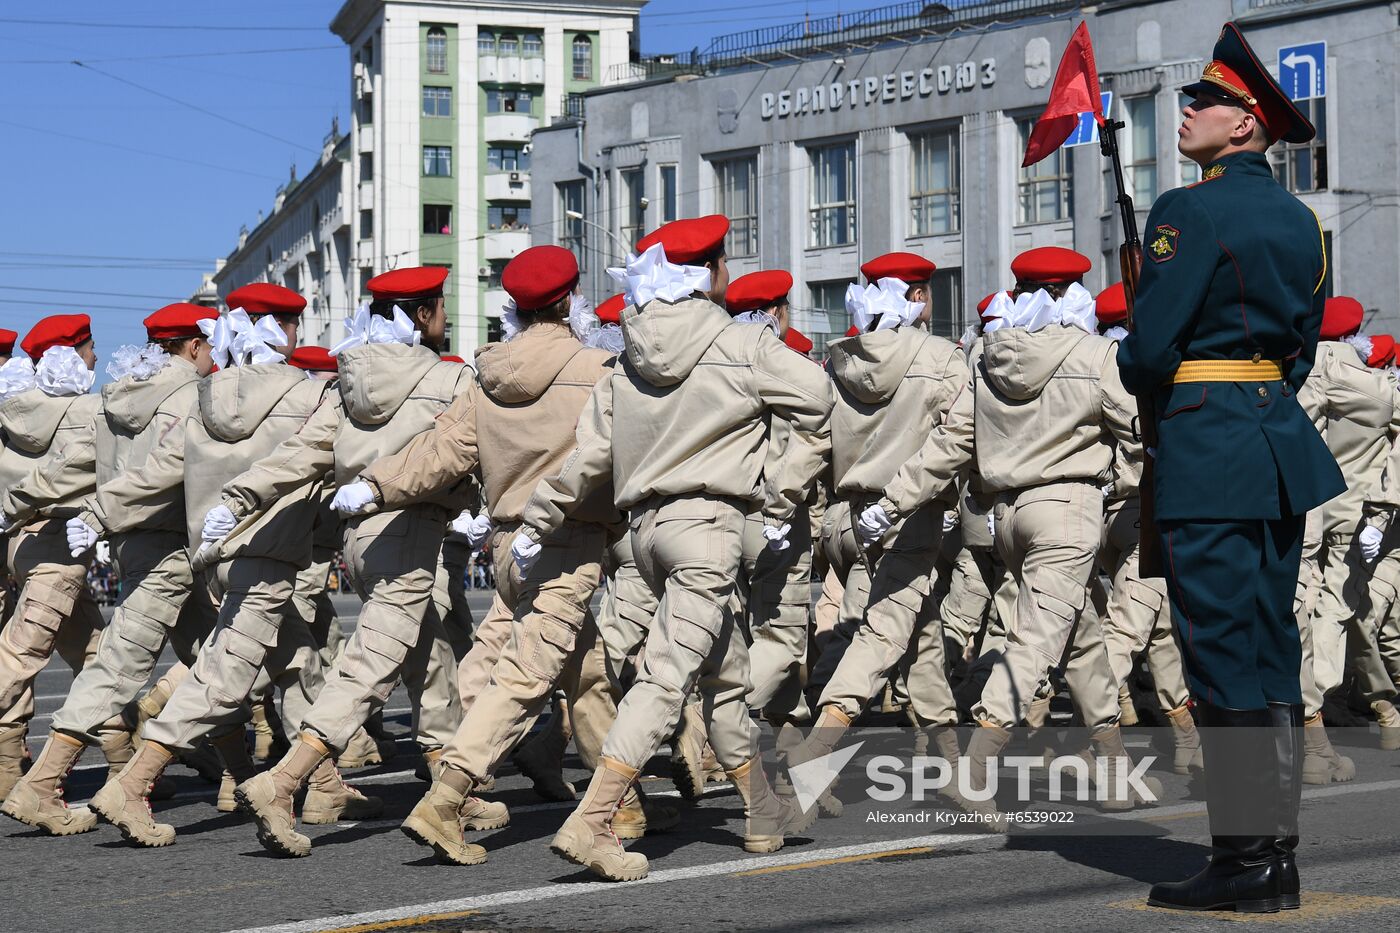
(445, 96)
(304, 244)
(903, 128)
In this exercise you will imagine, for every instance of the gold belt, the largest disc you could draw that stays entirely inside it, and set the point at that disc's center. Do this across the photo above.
(1228, 371)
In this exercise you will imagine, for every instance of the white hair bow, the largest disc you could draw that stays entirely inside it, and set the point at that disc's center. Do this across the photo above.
(650, 276)
(16, 376)
(367, 327)
(884, 301)
(61, 371)
(1362, 345)
(1037, 310)
(758, 317)
(1116, 332)
(140, 363)
(235, 340)
(582, 319)
(608, 337)
(510, 321)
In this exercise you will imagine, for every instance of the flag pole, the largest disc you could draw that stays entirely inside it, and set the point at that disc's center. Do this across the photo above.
(1130, 265)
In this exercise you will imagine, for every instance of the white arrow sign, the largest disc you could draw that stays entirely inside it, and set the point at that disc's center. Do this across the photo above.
(1303, 70)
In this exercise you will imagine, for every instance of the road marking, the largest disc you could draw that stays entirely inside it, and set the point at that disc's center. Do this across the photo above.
(405, 922)
(822, 863)
(576, 889)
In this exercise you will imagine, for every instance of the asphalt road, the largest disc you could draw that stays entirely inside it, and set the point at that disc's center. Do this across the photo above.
(368, 876)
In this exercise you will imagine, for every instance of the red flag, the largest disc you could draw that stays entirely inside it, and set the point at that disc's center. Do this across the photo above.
(1075, 91)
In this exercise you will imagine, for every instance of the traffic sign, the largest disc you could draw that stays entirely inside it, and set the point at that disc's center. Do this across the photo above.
(1088, 129)
(1302, 70)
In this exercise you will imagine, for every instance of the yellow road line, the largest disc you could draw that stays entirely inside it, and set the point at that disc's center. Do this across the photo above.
(405, 922)
(822, 863)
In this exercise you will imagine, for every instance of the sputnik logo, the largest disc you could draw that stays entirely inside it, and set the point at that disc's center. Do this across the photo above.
(811, 779)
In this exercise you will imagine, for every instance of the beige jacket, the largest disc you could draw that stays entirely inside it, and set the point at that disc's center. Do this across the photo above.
(1357, 411)
(901, 431)
(515, 427)
(51, 444)
(138, 416)
(694, 394)
(388, 395)
(1051, 408)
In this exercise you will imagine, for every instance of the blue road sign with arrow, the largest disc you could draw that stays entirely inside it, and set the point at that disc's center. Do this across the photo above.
(1088, 129)
(1302, 70)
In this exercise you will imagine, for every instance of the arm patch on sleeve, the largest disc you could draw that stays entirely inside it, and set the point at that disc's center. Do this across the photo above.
(1162, 245)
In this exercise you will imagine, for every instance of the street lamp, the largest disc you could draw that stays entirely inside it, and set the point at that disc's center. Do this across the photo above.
(621, 247)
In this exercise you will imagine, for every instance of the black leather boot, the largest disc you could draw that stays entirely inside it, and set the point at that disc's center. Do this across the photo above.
(1241, 794)
(1288, 739)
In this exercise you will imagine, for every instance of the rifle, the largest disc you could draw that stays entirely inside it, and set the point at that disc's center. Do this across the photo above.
(1130, 265)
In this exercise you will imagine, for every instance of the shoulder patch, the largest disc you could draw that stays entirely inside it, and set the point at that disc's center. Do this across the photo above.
(1162, 245)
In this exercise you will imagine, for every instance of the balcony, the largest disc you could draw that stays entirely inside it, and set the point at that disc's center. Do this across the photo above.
(495, 299)
(509, 127)
(508, 69)
(488, 68)
(366, 140)
(506, 244)
(508, 186)
(532, 71)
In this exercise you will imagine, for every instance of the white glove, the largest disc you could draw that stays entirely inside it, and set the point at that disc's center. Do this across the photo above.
(353, 499)
(991, 525)
(524, 552)
(479, 529)
(950, 520)
(1371, 542)
(873, 524)
(81, 537)
(5, 526)
(218, 522)
(777, 537)
(103, 554)
(1108, 491)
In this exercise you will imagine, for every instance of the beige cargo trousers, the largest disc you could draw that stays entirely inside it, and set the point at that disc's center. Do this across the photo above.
(775, 593)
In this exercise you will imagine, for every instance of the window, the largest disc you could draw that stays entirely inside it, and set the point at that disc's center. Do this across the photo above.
(1302, 167)
(832, 201)
(367, 110)
(633, 210)
(486, 42)
(509, 45)
(583, 58)
(826, 320)
(437, 160)
(736, 183)
(437, 50)
(367, 53)
(437, 218)
(945, 303)
(668, 194)
(1140, 159)
(447, 337)
(532, 46)
(366, 166)
(508, 101)
(1044, 188)
(366, 225)
(437, 101)
(494, 268)
(507, 159)
(572, 234)
(494, 331)
(508, 217)
(365, 276)
(934, 175)
(1188, 170)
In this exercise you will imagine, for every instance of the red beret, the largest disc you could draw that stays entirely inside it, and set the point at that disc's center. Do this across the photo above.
(454, 359)
(610, 311)
(687, 241)
(540, 276)
(986, 303)
(316, 359)
(798, 341)
(59, 330)
(852, 331)
(1051, 264)
(7, 341)
(757, 290)
(265, 298)
(1341, 317)
(909, 268)
(1112, 305)
(414, 282)
(1382, 351)
(178, 320)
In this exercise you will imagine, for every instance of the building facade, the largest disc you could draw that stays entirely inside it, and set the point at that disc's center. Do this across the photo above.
(903, 129)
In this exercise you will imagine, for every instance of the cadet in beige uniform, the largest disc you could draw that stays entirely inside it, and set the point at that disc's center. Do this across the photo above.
(901, 434)
(1051, 412)
(244, 410)
(7, 347)
(50, 432)
(1357, 411)
(514, 428)
(392, 386)
(698, 391)
(155, 389)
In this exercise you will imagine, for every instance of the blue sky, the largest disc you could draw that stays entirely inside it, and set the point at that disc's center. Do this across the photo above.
(125, 177)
